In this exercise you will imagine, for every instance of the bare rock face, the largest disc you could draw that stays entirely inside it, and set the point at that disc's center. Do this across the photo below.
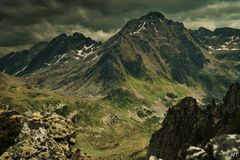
(10, 127)
(40, 136)
(188, 124)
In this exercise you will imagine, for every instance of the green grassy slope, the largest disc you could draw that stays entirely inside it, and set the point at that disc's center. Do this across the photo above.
(117, 126)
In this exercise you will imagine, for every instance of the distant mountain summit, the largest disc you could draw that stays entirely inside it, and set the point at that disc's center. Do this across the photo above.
(16, 62)
(56, 49)
(144, 52)
(43, 54)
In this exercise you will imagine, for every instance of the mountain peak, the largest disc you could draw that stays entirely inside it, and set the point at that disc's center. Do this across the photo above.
(204, 29)
(155, 14)
(60, 37)
(78, 36)
(155, 19)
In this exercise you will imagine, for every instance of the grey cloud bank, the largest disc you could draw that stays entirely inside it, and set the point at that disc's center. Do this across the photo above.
(25, 22)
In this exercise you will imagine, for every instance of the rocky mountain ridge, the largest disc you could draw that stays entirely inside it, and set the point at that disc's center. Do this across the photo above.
(44, 54)
(146, 49)
(117, 92)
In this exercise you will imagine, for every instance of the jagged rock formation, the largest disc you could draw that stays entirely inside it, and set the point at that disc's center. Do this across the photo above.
(37, 136)
(188, 124)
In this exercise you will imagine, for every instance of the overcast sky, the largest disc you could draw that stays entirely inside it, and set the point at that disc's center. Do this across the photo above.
(25, 22)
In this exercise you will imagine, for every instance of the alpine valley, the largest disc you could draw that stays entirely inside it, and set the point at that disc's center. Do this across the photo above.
(115, 94)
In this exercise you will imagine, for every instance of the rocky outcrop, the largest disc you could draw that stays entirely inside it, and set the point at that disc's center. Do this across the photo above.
(188, 124)
(221, 148)
(38, 136)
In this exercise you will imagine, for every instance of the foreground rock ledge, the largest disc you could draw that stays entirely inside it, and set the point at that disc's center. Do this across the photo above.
(37, 136)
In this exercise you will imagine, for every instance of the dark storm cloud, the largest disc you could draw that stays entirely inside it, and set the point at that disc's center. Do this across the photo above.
(24, 22)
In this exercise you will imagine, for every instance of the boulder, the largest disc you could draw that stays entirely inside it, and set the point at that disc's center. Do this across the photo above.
(37, 137)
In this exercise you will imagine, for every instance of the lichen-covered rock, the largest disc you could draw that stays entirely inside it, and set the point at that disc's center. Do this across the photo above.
(59, 127)
(40, 136)
(224, 147)
(194, 153)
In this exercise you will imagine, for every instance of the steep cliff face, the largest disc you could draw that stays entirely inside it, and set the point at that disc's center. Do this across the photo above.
(188, 124)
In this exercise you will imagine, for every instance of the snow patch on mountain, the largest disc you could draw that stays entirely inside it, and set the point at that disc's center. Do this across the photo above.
(155, 29)
(210, 47)
(142, 27)
(85, 52)
(61, 57)
(48, 64)
(160, 20)
(21, 70)
(229, 42)
(223, 48)
(95, 57)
